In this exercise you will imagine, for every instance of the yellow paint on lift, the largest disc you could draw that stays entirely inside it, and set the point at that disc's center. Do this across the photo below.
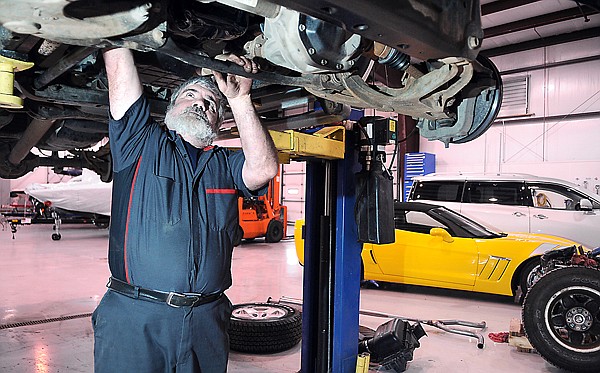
(362, 362)
(327, 143)
(8, 67)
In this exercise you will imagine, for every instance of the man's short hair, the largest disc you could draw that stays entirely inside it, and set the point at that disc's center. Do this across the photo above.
(205, 82)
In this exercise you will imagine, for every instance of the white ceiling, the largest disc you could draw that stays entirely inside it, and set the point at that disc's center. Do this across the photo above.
(536, 22)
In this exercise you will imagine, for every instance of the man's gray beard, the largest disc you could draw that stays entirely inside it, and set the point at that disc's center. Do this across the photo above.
(194, 129)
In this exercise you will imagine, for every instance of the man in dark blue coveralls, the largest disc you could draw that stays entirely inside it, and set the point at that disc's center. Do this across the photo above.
(174, 215)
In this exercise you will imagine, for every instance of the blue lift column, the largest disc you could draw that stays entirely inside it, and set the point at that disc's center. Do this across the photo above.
(332, 266)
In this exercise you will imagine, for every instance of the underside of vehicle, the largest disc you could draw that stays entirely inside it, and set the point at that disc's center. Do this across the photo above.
(415, 58)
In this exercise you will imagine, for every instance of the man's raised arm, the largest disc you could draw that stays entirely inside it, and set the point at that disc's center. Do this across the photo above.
(124, 86)
(261, 156)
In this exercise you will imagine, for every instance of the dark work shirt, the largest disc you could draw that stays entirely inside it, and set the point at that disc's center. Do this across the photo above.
(172, 224)
(193, 152)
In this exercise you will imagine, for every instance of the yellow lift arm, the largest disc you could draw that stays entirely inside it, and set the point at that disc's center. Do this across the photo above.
(326, 143)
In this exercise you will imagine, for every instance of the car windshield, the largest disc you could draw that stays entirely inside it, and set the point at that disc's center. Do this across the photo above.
(477, 230)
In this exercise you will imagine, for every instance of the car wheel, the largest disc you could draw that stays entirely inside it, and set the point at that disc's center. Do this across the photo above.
(263, 328)
(561, 317)
(530, 274)
(274, 231)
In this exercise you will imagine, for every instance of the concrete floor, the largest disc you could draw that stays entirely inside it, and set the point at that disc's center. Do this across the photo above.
(41, 279)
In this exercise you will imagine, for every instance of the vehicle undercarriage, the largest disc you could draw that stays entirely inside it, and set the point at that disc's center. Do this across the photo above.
(416, 58)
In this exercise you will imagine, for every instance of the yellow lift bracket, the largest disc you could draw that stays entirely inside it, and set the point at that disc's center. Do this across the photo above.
(8, 67)
(326, 143)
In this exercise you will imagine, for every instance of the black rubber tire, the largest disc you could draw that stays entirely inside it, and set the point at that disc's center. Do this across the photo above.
(561, 317)
(237, 238)
(274, 231)
(56, 236)
(264, 328)
(529, 276)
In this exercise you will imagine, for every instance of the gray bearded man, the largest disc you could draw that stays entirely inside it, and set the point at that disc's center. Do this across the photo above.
(173, 219)
(193, 123)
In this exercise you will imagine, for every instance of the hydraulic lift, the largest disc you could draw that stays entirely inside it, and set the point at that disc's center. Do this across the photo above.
(349, 194)
(332, 261)
(331, 267)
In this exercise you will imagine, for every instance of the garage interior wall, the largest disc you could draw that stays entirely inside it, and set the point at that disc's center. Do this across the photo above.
(293, 183)
(558, 135)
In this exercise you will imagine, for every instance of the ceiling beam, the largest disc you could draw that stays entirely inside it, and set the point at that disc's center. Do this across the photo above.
(499, 6)
(543, 42)
(542, 20)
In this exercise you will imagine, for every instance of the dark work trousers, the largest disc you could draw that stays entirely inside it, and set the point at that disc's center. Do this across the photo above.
(134, 335)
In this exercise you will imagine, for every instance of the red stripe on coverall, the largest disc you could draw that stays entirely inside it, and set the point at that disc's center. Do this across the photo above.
(137, 168)
(220, 191)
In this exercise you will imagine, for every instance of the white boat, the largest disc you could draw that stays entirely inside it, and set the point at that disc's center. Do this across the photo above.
(82, 194)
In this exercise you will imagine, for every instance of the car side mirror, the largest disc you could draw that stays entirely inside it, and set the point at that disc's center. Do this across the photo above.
(441, 232)
(585, 205)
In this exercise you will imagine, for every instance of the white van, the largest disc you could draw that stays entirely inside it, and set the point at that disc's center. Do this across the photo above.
(517, 203)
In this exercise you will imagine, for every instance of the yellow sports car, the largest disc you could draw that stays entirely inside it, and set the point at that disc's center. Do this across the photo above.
(438, 247)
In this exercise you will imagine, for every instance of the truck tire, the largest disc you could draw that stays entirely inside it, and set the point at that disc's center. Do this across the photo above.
(274, 231)
(264, 328)
(561, 317)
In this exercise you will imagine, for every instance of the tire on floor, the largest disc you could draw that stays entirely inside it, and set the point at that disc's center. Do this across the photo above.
(561, 317)
(264, 328)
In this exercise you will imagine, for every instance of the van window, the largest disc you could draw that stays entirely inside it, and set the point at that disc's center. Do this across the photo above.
(502, 193)
(448, 191)
(557, 197)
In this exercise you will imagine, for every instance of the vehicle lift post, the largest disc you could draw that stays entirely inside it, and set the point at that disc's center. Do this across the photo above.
(332, 266)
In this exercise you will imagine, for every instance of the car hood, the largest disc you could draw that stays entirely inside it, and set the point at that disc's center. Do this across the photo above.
(539, 237)
(546, 242)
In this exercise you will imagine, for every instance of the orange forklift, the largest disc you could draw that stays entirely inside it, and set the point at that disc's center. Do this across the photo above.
(262, 216)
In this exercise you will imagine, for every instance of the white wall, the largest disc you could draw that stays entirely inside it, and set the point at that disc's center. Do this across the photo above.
(556, 140)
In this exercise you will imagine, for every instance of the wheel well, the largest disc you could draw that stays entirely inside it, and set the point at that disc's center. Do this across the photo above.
(514, 283)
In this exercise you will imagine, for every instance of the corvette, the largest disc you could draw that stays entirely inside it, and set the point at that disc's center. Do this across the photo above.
(438, 247)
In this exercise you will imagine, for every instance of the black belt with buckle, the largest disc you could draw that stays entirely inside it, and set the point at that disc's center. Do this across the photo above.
(171, 298)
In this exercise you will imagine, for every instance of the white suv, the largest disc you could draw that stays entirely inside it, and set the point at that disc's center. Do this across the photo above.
(517, 203)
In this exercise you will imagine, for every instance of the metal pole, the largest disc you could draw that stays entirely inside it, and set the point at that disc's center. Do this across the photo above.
(347, 265)
(315, 180)
(326, 261)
